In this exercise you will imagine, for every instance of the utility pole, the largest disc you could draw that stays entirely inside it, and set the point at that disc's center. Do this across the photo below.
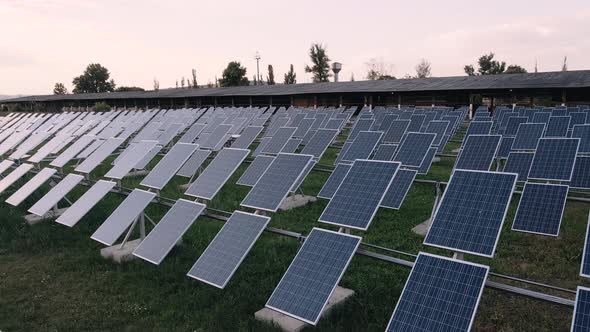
(257, 57)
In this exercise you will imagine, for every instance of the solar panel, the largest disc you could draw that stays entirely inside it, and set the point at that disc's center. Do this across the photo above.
(358, 197)
(306, 287)
(136, 153)
(541, 208)
(360, 125)
(278, 141)
(5, 165)
(302, 176)
(519, 163)
(71, 151)
(513, 124)
(169, 165)
(441, 294)
(86, 202)
(55, 195)
(471, 212)
(385, 152)
(581, 317)
(577, 118)
(528, 136)
(581, 174)
(334, 124)
(217, 135)
(583, 133)
(123, 216)
(478, 152)
(554, 159)
(255, 170)
(479, 128)
(228, 249)
(505, 147)
(261, 145)
(219, 170)
(275, 183)
(98, 156)
(541, 117)
(334, 181)
(303, 127)
(193, 163)
(413, 149)
(399, 188)
(439, 128)
(292, 145)
(247, 137)
(28, 188)
(585, 268)
(160, 241)
(416, 122)
(90, 149)
(13, 176)
(557, 126)
(362, 146)
(319, 142)
(192, 133)
(343, 151)
(142, 164)
(427, 162)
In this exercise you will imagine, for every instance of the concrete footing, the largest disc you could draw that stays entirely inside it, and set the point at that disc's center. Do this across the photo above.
(33, 219)
(184, 186)
(422, 229)
(118, 254)
(139, 172)
(290, 324)
(295, 201)
(457, 150)
(435, 160)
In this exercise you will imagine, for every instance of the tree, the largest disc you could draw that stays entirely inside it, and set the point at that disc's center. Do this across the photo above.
(270, 79)
(564, 66)
(60, 89)
(234, 75)
(156, 84)
(515, 69)
(128, 88)
(177, 84)
(320, 63)
(94, 79)
(182, 82)
(102, 107)
(352, 77)
(194, 74)
(469, 70)
(423, 69)
(377, 69)
(290, 76)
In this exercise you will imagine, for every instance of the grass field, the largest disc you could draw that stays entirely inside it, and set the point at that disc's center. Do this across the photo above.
(53, 277)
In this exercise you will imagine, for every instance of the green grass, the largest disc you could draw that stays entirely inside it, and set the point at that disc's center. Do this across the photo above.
(53, 278)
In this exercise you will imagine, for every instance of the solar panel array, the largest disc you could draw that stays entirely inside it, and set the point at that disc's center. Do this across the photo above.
(413, 149)
(362, 146)
(519, 163)
(55, 195)
(255, 170)
(334, 181)
(395, 195)
(554, 159)
(28, 188)
(169, 165)
(86, 202)
(478, 152)
(541, 208)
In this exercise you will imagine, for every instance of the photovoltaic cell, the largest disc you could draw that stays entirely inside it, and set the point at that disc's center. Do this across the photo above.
(358, 197)
(399, 188)
(81, 207)
(557, 126)
(319, 142)
(519, 163)
(478, 152)
(292, 145)
(439, 128)
(216, 136)
(313, 275)
(416, 122)
(343, 151)
(55, 195)
(581, 318)
(427, 162)
(278, 141)
(5, 165)
(160, 241)
(541, 208)
(505, 147)
(479, 128)
(219, 170)
(441, 294)
(169, 165)
(385, 152)
(360, 125)
(302, 176)
(247, 137)
(71, 151)
(28, 188)
(275, 183)
(583, 133)
(396, 131)
(98, 156)
(13, 176)
(193, 163)
(362, 146)
(528, 136)
(255, 170)
(513, 124)
(228, 249)
(123, 216)
(413, 149)
(303, 127)
(471, 212)
(136, 153)
(554, 159)
(192, 133)
(581, 174)
(334, 181)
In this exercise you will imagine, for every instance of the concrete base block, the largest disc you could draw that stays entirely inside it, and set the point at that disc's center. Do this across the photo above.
(33, 219)
(435, 160)
(290, 324)
(139, 172)
(118, 254)
(422, 229)
(457, 150)
(295, 201)
(184, 186)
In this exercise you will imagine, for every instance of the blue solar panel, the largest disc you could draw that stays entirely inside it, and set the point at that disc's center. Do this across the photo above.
(396, 131)
(504, 118)
(513, 124)
(357, 199)
(519, 163)
(278, 140)
(554, 159)
(541, 117)
(343, 151)
(385, 152)
(362, 146)
(479, 128)
(360, 125)
(416, 122)
(557, 126)
(439, 128)
(427, 162)
(395, 195)
(319, 142)
(585, 268)
(413, 149)
(478, 152)
(528, 136)
(581, 174)
(255, 170)
(471, 212)
(334, 181)
(441, 294)
(581, 318)
(583, 133)
(541, 208)
(505, 147)
(577, 118)
(306, 287)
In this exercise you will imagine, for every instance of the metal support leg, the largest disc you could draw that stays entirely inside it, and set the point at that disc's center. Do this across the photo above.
(142, 225)
(129, 232)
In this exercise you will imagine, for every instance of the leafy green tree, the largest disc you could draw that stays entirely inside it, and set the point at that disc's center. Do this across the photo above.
(320, 67)
(423, 69)
(94, 79)
(270, 79)
(515, 69)
(487, 66)
(102, 107)
(234, 75)
(60, 89)
(377, 69)
(290, 76)
(129, 88)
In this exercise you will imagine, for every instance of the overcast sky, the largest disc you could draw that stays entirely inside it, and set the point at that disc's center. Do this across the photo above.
(48, 41)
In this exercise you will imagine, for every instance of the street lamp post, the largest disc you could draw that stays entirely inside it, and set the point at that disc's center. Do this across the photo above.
(257, 57)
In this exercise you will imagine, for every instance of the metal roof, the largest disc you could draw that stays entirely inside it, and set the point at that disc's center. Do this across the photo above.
(568, 79)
